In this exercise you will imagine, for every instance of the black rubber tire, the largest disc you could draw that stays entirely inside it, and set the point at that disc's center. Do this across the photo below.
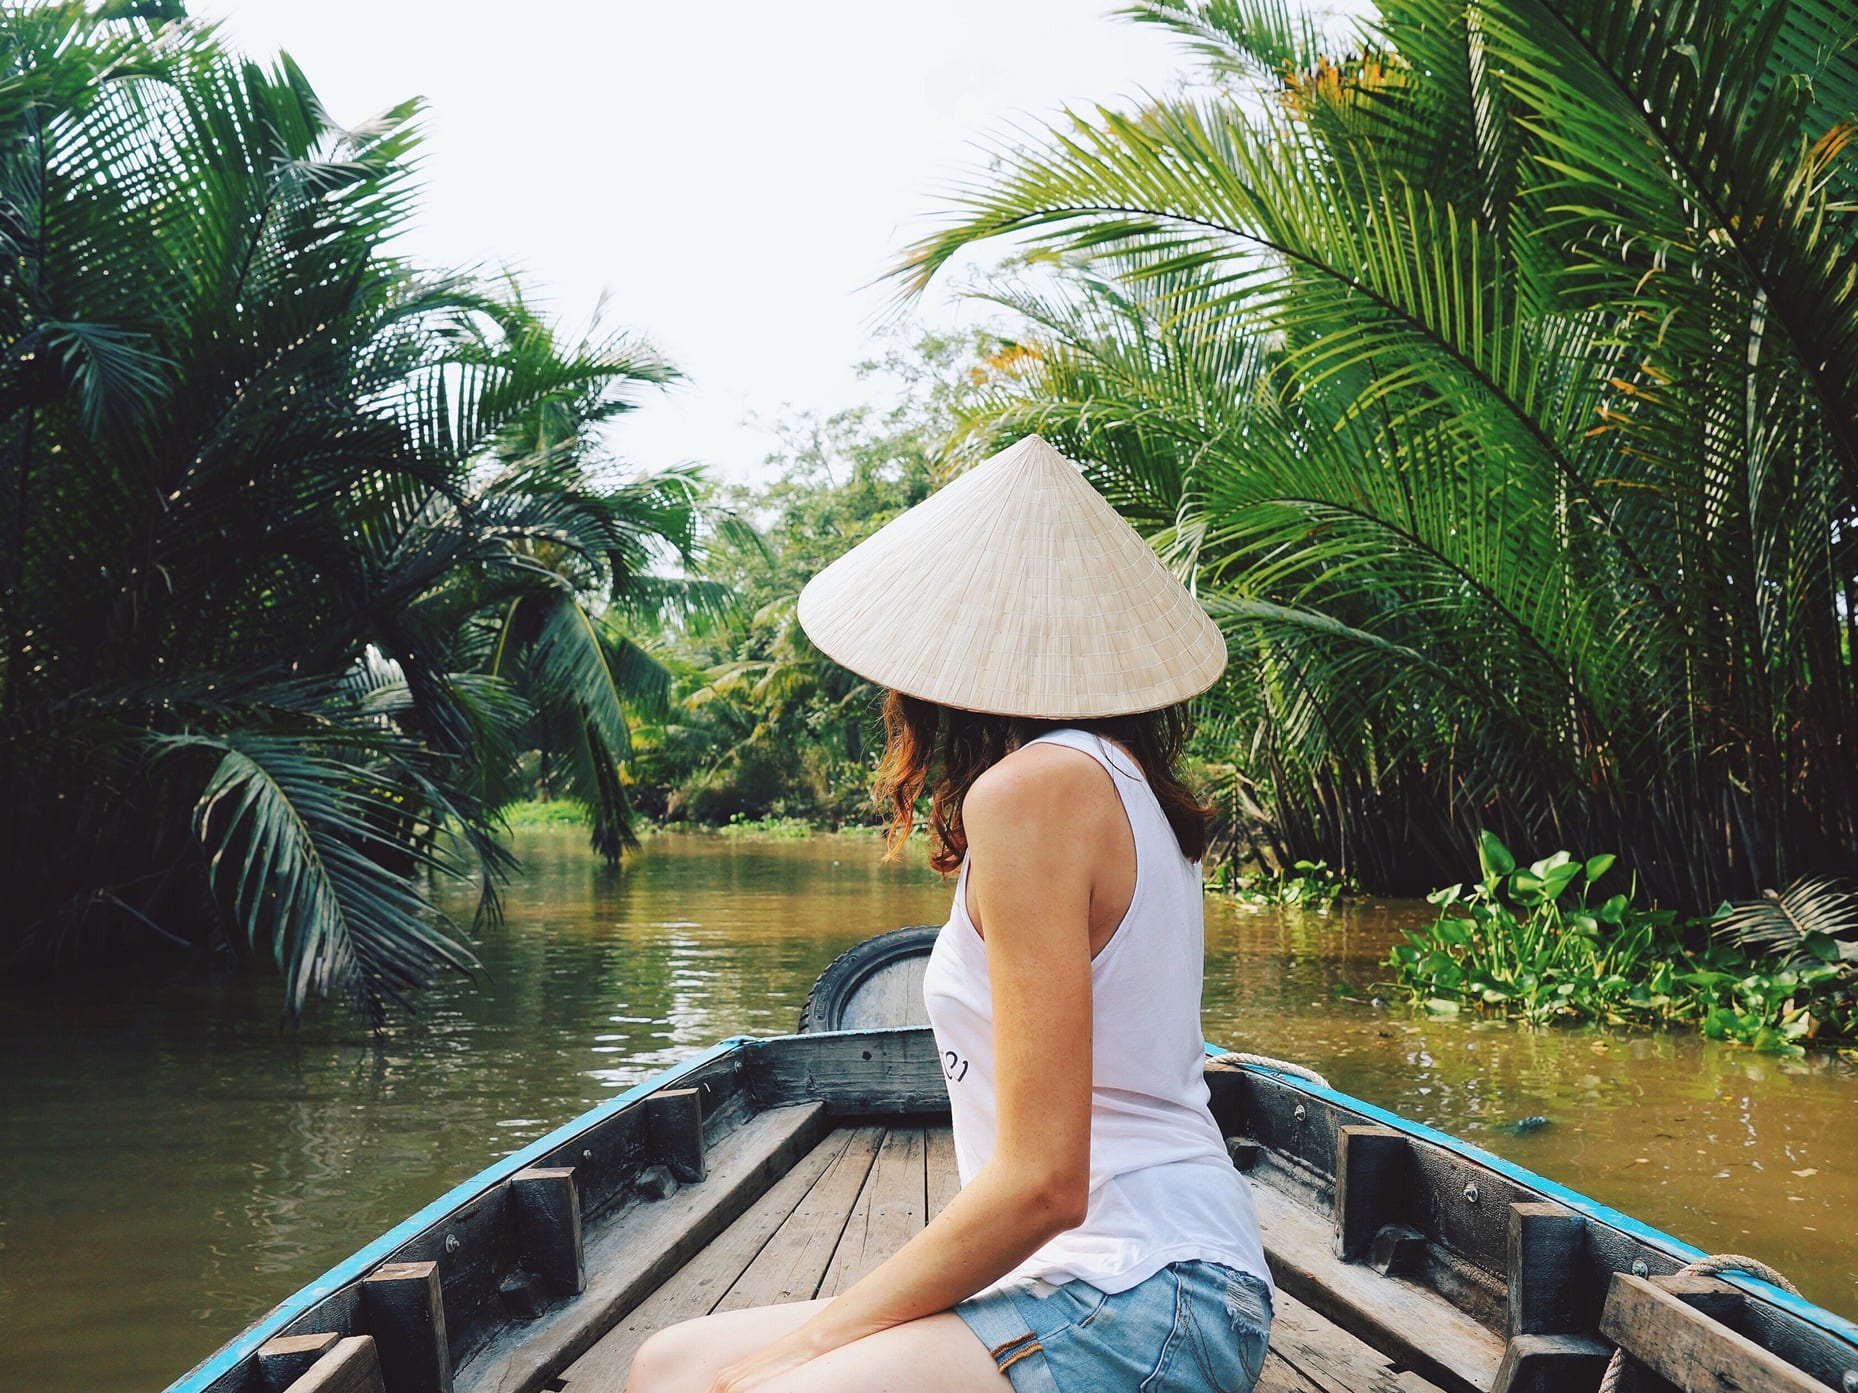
(825, 1003)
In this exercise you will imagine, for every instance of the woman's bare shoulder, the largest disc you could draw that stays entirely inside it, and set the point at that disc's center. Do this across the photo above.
(1045, 785)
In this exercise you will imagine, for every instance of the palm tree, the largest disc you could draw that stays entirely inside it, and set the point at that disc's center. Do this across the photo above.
(300, 546)
(1493, 371)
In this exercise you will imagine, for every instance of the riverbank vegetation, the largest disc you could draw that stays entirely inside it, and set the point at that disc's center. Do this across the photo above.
(1543, 942)
(304, 548)
(1491, 373)
(1488, 373)
(759, 724)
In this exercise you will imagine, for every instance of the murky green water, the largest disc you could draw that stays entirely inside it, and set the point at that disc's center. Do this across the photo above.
(171, 1164)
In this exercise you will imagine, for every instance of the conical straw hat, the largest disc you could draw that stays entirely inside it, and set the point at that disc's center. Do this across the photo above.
(1016, 589)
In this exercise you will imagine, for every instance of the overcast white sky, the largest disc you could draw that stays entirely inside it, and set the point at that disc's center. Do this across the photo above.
(734, 173)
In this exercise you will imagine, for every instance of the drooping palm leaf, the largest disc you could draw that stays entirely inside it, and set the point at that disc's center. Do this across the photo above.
(1813, 911)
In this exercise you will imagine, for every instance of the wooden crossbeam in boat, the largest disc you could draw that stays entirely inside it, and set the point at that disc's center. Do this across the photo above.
(1690, 1348)
(285, 1359)
(674, 1120)
(1373, 1186)
(1547, 1247)
(1550, 1314)
(889, 1072)
(350, 1365)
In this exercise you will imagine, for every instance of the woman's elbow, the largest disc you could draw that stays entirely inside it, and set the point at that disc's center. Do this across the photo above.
(1058, 1202)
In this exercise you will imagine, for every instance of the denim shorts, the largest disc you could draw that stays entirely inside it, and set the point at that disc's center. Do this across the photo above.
(1193, 1327)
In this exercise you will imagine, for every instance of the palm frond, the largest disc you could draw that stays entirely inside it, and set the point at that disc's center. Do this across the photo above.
(1815, 911)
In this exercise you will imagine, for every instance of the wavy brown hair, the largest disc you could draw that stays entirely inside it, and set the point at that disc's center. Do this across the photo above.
(942, 751)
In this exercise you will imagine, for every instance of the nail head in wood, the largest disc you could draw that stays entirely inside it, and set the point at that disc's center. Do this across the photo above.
(1370, 1174)
(674, 1119)
(547, 1205)
(1547, 1252)
(406, 1315)
(286, 1358)
(352, 1365)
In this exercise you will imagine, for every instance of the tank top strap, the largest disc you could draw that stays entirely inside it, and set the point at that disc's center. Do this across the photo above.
(1111, 756)
(1154, 838)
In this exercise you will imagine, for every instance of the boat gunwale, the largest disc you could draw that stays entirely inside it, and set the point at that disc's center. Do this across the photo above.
(1806, 1311)
(363, 1260)
(358, 1264)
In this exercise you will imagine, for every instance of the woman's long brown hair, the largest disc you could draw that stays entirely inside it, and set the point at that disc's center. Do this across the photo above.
(942, 750)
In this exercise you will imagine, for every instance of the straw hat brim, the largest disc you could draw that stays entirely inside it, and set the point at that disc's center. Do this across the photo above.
(1016, 590)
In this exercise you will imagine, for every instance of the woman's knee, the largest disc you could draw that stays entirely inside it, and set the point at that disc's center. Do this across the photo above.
(664, 1363)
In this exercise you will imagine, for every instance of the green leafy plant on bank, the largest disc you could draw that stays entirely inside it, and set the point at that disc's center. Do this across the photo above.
(545, 812)
(782, 829)
(1307, 884)
(1543, 943)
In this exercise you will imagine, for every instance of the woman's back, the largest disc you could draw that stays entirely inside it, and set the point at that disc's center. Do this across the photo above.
(1161, 1187)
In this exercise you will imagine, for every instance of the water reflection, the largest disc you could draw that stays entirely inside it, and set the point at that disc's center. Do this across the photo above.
(171, 1163)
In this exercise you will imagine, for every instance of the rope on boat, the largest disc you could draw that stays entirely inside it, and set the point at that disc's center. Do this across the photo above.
(1703, 1267)
(1283, 1066)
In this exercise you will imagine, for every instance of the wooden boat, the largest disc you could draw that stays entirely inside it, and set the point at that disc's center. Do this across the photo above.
(767, 1170)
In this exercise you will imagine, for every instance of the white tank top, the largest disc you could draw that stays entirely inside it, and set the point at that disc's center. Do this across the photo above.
(1162, 1188)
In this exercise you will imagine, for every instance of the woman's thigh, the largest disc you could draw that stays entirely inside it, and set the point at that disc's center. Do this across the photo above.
(684, 1358)
(937, 1354)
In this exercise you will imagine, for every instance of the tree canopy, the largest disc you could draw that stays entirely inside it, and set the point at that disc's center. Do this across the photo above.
(1491, 369)
(303, 545)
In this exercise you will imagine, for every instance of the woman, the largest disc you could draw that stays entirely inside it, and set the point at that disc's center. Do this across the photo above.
(1037, 655)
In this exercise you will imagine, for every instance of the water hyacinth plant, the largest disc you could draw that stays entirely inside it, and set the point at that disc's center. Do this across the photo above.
(1542, 943)
(1307, 884)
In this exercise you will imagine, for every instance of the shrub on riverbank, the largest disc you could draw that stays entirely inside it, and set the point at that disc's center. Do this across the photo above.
(1542, 943)
(1307, 884)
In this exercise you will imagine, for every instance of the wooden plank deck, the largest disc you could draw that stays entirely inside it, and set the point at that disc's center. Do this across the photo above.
(851, 1202)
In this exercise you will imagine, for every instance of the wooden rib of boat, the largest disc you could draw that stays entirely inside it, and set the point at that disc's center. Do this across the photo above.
(768, 1170)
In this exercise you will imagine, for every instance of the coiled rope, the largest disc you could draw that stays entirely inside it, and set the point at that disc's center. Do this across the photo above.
(1703, 1267)
(1283, 1066)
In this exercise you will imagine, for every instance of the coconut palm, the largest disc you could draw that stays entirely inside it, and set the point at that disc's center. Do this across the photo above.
(1493, 371)
(301, 547)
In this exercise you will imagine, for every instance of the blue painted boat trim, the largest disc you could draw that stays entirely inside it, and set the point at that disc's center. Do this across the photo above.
(356, 1266)
(1655, 1238)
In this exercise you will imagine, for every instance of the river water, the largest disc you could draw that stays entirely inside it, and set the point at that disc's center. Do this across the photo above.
(172, 1164)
